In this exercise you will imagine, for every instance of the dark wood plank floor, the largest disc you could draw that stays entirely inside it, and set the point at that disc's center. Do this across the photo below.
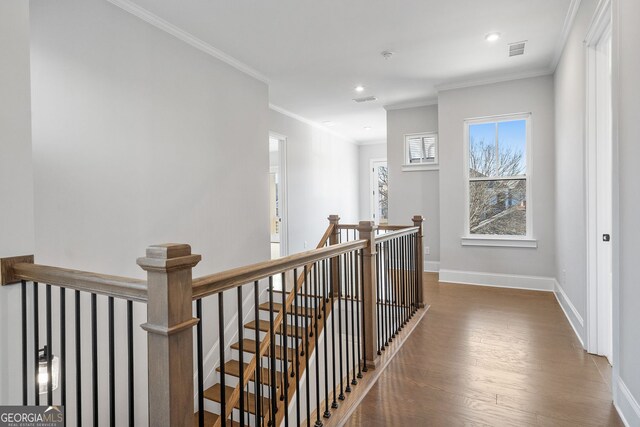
(490, 356)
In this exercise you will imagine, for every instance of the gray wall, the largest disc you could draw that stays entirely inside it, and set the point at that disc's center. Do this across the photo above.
(16, 182)
(140, 139)
(570, 187)
(322, 179)
(366, 153)
(416, 192)
(533, 95)
(626, 71)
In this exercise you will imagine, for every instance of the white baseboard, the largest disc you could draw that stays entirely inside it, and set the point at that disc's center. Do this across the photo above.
(627, 405)
(431, 266)
(535, 283)
(570, 311)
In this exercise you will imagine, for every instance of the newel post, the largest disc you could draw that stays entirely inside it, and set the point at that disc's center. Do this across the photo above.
(366, 231)
(169, 333)
(334, 239)
(418, 221)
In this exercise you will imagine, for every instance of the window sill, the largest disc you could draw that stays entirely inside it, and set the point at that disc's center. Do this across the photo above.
(505, 242)
(422, 167)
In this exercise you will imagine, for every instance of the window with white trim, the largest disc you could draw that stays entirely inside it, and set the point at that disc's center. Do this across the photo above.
(420, 151)
(498, 176)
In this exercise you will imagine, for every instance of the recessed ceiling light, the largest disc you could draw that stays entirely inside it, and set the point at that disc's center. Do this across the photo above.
(328, 123)
(367, 128)
(492, 37)
(359, 88)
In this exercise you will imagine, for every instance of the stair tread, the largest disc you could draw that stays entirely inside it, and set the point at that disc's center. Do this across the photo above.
(263, 325)
(232, 367)
(300, 294)
(249, 346)
(214, 393)
(278, 307)
(210, 419)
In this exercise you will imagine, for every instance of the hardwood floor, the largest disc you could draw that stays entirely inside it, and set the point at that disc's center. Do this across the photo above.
(490, 356)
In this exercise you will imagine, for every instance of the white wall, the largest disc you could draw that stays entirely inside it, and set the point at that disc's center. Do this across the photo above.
(366, 153)
(534, 95)
(140, 139)
(626, 71)
(322, 179)
(570, 187)
(416, 192)
(16, 182)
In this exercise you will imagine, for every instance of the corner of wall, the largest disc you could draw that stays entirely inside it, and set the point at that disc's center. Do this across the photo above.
(626, 405)
(573, 316)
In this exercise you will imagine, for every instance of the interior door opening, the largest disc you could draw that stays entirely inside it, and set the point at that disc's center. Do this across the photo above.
(277, 196)
(379, 206)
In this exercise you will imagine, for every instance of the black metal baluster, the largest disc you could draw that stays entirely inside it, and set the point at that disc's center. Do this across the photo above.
(285, 353)
(49, 347)
(257, 381)
(223, 394)
(346, 269)
(358, 296)
(352, 255)
(297, 344)
(25, 379)
(306, 343)
(63, 349)
(112, 365)
(334, 403)
(78, 361)
(316, 300)
(94, 358)
(387, 291)
(130, 388)
(272, 343)
(341, 395)
(394, 289)
(405, 281)
(200, 362)
(362, 302)
(378, 296)
(325, 283)
(241, 356)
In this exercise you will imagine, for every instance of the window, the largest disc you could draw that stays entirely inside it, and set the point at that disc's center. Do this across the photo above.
(420, 151)
(498, 178)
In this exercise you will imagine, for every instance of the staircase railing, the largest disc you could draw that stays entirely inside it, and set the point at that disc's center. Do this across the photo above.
(312, 323)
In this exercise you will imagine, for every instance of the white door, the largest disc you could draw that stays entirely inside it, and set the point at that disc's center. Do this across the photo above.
(604, 198)
(277, 196)
(379, 206)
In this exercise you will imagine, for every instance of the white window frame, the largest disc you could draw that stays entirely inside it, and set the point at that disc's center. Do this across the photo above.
(407, 166)
(526, 241)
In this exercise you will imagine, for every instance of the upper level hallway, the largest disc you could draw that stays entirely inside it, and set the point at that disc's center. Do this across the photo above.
(490, 356)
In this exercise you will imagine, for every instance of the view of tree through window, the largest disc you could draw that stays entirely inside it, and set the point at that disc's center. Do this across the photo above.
(383, 195)
(497, 178)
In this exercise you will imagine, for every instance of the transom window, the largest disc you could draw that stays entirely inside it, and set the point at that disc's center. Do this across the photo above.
(497, 167)
(421, 150)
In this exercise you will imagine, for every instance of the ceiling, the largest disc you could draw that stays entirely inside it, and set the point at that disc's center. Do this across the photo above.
(313, 53)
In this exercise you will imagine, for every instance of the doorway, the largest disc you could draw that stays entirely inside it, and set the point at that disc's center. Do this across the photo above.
(600, 187)
(379, 204)
(277, 196)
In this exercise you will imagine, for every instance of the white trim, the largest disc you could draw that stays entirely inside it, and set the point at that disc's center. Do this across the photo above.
(563, 300)
(431, 266)
(574, 6)
(420, 167)
(505, 242)
(512, 281)
(528, 117)
(492, 80)
(408, 167)
(425, 102)
(310, 123)
(627, 405)
(600, 25)
(186, 37)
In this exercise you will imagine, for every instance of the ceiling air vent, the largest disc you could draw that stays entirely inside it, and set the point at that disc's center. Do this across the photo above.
(516, 49)
(365, 99)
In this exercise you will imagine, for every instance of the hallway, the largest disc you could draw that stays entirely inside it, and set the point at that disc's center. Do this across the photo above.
(490, 356)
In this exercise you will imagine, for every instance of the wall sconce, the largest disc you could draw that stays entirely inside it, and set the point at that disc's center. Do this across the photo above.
(43, 375)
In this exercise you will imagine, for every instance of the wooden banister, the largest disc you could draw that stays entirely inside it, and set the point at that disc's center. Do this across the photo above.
(395, 234)
(101, 284)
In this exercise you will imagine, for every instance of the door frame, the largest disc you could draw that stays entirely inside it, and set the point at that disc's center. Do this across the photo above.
(284, 205)
(373, 187)
(596, 337)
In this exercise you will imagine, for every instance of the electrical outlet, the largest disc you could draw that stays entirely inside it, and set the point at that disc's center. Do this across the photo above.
(427, 250)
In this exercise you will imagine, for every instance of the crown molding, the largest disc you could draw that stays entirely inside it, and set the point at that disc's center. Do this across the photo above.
(564, 34)
(424, 102)
(492, 80)
(311, 123)
(190, 39)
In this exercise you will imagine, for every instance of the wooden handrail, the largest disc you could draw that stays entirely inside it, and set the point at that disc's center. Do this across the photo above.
(219, 282)
(398, 233)
(102, 284)
(379, 226)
